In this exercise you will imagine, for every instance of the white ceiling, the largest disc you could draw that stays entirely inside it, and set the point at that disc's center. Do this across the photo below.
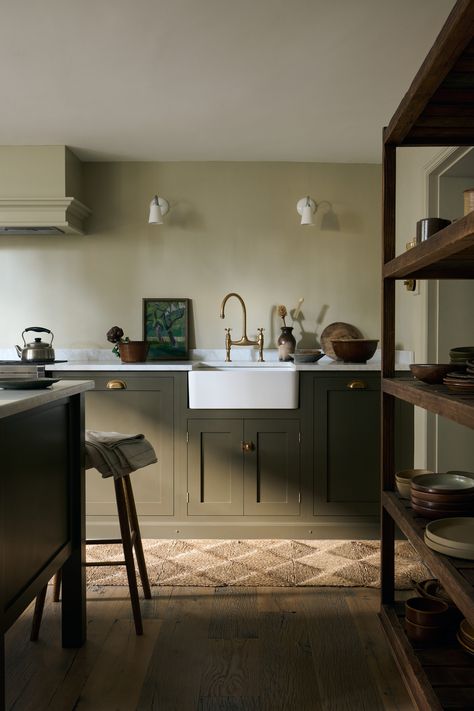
(289, 80)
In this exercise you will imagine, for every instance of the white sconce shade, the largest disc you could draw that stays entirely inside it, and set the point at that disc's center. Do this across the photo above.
(306, 207)
(158, 207)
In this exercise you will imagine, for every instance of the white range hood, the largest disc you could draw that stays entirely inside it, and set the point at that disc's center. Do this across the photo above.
(45, 215)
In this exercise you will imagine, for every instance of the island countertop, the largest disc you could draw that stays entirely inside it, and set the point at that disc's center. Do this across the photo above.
(14, 401)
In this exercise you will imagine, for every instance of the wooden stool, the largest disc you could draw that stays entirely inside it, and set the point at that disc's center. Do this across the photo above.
(130, 540)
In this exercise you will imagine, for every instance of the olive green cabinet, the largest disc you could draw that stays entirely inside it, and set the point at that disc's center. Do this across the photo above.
(346, 417)
(132, 404)
(343, 419)
(243, 467)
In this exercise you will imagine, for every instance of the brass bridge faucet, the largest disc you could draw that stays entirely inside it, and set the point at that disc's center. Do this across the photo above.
(244, 340)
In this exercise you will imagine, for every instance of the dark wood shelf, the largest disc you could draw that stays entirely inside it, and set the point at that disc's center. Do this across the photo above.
(439, 677)
(434, 398)
(448, 254)
(437, 110)
(432, 111)
(455, 574)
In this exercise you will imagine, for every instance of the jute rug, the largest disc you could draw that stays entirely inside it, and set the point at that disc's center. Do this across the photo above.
(257, 563)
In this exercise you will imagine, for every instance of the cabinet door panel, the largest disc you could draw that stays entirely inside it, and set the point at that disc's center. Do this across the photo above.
(272, 467)
(215, 467)
(346, 447)
(146, 407)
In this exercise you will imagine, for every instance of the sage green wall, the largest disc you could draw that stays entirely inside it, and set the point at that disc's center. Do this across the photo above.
(34, 171)
(232, 227)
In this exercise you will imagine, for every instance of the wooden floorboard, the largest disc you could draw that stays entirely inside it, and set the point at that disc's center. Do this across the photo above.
(206, 649)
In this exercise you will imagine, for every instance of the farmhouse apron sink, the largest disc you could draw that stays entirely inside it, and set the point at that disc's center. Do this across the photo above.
(220, 385)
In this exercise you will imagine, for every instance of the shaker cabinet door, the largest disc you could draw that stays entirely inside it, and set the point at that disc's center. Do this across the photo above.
(144, 405)
(346, 449)
(215, 467)
(271, 454)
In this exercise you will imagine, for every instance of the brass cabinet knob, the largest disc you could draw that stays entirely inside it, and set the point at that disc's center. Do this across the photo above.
(248, 446)
(357, 385)
(116, 385)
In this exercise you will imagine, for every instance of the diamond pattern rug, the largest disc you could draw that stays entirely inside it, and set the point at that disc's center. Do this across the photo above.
(257, 563)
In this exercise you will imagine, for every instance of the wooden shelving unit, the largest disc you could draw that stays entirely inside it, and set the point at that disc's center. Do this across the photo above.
(438, 110)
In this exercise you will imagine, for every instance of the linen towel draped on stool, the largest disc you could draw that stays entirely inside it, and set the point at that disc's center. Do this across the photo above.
(117, 454)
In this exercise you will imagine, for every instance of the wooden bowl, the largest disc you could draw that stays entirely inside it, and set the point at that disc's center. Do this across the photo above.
(421, 633)
(354, 350)
(433, 373)
(427, 612)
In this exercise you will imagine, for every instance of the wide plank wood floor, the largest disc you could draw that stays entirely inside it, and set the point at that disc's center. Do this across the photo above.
(211, 649)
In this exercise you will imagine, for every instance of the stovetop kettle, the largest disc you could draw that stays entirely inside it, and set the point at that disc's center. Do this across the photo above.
(37, 350)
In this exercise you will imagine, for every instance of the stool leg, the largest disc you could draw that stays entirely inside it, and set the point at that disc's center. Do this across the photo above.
(128, 553)
(57, 585)
(38, 614)
(133, 518)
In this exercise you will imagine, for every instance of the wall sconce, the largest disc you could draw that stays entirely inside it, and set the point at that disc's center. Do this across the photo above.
(306, 207)
(158, 207)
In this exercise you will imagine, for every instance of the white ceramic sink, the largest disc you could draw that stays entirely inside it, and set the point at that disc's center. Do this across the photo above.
(242, 385)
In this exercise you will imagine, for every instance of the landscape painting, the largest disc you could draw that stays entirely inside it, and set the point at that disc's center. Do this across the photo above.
(165, 328)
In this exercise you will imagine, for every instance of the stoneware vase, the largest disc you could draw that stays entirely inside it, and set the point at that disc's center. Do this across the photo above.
(286, 344)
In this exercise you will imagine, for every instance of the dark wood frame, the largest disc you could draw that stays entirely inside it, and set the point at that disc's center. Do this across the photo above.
(149, 300)
(438, 109)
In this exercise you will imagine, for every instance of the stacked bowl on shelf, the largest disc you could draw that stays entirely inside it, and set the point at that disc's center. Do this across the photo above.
(462, 383)
(404, 478)
(465, 637)
(461, 354)
(426, 620)
(437, 496)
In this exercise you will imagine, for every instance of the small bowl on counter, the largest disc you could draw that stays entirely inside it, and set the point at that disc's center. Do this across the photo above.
(403, 480)
(433, 373)
(354, 350)
(307, 355)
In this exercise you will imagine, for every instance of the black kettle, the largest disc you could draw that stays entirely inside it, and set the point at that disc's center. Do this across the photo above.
(38, 350)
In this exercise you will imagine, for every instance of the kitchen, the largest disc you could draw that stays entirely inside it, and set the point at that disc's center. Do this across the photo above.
(232, 226)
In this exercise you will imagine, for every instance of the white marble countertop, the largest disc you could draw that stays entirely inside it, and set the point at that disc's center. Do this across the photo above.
(14, 401)
(97, 360)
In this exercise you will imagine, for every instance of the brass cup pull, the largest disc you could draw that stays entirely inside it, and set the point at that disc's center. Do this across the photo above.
(116, 385)
(357, 385)
(247, 446)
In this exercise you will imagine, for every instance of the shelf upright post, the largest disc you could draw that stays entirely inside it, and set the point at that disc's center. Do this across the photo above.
(388, 370)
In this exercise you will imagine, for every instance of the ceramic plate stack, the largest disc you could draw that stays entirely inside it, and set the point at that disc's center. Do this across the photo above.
(465, 636)
(461, 354)
(443, 495)
(462, 383)
(452, 536)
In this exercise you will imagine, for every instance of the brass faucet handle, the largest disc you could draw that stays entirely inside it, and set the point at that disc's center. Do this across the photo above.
(228, 344)
(260, 344)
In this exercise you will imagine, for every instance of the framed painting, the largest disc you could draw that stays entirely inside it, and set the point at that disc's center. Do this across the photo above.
(165, 328)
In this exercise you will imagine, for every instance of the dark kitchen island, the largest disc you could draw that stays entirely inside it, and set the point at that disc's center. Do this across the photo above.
(42, 517)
